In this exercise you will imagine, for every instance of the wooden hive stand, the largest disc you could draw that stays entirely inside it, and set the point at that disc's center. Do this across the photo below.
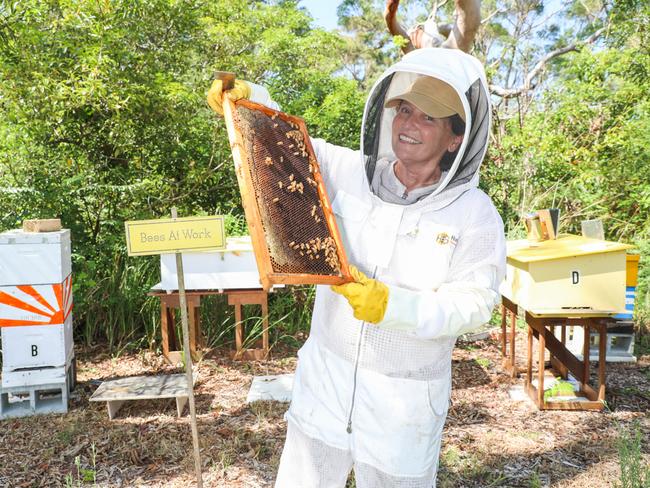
(171, 344)
(541, 327)
(250, 297)
(508, 310)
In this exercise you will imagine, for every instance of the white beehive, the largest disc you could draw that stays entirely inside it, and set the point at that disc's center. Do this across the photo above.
(35, 316)
(37, 346)
(33, 258)
(232, 268)
(619, 347)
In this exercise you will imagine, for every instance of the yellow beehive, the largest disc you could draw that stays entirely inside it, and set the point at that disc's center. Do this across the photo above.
(571, 272)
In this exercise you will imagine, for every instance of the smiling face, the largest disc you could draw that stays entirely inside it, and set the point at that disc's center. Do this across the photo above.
(419, 141)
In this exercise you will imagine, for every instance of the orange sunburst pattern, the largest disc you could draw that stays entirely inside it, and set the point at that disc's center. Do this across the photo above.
(25, 305)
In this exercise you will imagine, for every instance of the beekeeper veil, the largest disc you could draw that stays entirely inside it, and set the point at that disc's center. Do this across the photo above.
(451, 81)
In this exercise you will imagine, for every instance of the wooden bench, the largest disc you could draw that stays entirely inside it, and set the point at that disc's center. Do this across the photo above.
(116, 392)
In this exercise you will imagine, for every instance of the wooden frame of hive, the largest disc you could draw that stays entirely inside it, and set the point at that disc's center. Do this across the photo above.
(241, 155)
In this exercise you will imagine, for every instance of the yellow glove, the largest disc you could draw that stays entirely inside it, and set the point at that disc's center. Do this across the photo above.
(367, 297)
(215, 96)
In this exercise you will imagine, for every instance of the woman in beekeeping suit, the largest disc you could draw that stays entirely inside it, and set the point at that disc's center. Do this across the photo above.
(373, 382)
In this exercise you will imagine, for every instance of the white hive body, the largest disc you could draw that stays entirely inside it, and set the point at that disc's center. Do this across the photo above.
(229, 269)
(35, 322)
(34, 258)
(38, 346)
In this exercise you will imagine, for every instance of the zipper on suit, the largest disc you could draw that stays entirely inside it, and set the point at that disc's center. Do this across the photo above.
(356, 368)
(354, 378)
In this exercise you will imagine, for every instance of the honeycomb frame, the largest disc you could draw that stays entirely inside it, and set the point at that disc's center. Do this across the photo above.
(294, 205)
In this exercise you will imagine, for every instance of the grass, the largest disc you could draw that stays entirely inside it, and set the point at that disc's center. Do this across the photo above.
(83, 475)
(484, 363)
(635, 472)
(535, 481)
(114, 305)
(642, 345)
(458, 464)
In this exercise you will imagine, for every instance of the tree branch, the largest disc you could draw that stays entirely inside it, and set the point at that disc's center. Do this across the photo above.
(529, 84)
(492, 14)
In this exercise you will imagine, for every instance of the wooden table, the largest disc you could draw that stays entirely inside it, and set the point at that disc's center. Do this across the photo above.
(541, 326)
(172, 347)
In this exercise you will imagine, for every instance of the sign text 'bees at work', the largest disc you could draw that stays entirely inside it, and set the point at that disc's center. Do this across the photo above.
(175, 235)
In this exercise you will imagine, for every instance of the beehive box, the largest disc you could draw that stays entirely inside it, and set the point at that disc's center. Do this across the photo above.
(36, 325)
(570, 272)
(37, 346)
(293, 230)
(29, 305)
(227, 269)
(30, 258)
(29, 377)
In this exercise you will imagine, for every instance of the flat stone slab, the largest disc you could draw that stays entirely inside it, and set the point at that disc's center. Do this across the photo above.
(116, 392)
(274, 387)
(517, 393)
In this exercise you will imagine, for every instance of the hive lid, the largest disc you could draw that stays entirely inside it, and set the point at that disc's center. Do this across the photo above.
(18, 236)
(565, 246)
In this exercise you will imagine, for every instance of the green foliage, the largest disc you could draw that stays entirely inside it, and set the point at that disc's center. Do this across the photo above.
(369, 47)
(337, 118)
(104, 120)
(635, 471)
(586, 150)
(535, 481)
(84, 475)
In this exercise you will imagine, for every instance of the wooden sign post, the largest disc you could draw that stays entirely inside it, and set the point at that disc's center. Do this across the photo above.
(177, 235)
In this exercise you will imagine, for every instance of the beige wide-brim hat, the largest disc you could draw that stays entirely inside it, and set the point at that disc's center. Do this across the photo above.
(433, 96)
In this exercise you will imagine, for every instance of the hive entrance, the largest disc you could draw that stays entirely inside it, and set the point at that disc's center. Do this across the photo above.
(292, 227)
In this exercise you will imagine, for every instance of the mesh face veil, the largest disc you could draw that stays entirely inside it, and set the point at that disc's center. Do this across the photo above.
(377, 127)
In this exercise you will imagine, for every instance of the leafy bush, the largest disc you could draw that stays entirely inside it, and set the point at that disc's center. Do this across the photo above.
(104, 119)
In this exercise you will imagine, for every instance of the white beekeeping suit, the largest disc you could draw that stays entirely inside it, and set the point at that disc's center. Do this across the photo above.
(375, 397)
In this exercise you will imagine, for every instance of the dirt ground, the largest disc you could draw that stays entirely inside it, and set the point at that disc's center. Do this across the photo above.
(490, 440)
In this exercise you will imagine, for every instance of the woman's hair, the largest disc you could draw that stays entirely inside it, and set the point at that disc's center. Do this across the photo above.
(458, 128)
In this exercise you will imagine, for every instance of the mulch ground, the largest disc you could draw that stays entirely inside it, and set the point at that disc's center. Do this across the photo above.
(490, 440)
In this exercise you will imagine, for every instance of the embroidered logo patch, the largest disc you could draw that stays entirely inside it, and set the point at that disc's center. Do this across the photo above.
(442, 239)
